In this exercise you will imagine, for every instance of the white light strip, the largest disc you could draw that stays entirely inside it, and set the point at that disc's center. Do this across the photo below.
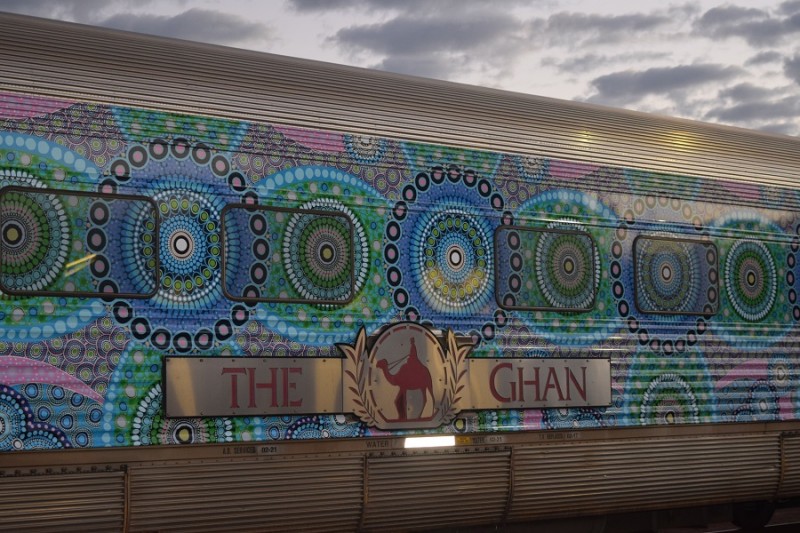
(430, 442)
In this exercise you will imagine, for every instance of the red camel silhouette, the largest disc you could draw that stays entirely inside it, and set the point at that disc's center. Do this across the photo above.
(413, 375)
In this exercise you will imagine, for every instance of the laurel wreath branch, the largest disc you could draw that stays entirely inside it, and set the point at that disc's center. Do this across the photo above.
(356, 382)
(456, 372)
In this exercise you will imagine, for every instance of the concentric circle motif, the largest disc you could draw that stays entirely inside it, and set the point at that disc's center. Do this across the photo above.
(190, 248)
(559, 267)
(568, 270)
(44, 229)
(669, 400)
(453, 258)
(34, 235)
(323, 260)
(440, 255)
(532, 169)
(647, 263)
(763, 402)
(793, 275)
(662, 389)
(14, 416)
(757, 278)
(24, 428)
(189, 184)
(782, 374)
(364, 148)
(751, 279)
(365, 210)
(666, 277)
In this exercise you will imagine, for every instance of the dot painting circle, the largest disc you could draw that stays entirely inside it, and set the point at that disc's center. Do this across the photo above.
(567, 270)
(439, 253)
(180, 264)
(318, 257)
(750, 279)
(364, 211)
(190, 248)
(34, 235)
(327, 257)
(647, 262)
(562, 266)
(452, 257)
(757, 279)
(666, 277)
(669, 400)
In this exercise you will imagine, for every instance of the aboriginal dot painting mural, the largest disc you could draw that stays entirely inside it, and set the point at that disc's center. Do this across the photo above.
(129, 235)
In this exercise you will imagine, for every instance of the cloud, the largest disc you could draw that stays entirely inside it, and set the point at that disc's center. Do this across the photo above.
(589, 62)
(631, 86)
(195, 24)
(763, 58)
(756, 26)
(563, 28)
(406, 6)
(406, 35)
(746, 92)
(757, 112)
(790, 8)
(85, 11)
(324, 5)
(438, 66)
(440, 45)
(791, 67)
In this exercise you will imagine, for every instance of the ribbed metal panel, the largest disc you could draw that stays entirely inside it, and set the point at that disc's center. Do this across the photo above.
(790, 475)
(107, 66)
(436, 490)
(623, 475)
(286, 494)
(63, 502)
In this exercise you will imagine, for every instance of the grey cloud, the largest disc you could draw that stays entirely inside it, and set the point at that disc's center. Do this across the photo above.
(405, 35)
(763, 58)
(589, 62)
(86, 11)
(747, 92)
(194, 24)
(782, 128)
(791, 67)
(601, 28)
(775, 109)
(580, 30)
(406, 6)
(434, 66)
(790, 8)
(756, 26)
(757, 112)
(631, 86)
(323, 5)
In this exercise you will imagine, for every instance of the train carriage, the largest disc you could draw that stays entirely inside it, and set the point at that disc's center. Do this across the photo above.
(236, 287)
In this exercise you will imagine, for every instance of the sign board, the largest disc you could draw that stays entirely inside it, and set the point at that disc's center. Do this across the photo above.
(405, 377)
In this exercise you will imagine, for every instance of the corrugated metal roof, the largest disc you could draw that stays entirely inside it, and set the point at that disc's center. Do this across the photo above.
(108, 66)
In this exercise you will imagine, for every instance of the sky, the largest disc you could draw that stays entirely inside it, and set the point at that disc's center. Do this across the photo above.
(735, 62)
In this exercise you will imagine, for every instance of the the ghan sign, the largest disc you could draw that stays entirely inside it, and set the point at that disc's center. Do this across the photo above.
(405, 377)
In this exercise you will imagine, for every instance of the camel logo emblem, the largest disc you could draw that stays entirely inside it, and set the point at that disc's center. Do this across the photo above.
(406, 377)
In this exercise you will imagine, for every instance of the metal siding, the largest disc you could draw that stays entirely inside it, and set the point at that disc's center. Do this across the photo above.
(117, 67)
(625, 475)
(276, 494)
(790, 468)
(92, 501)
(439, 490)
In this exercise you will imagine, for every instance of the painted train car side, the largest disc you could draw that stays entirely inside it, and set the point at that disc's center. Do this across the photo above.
(134, 240)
